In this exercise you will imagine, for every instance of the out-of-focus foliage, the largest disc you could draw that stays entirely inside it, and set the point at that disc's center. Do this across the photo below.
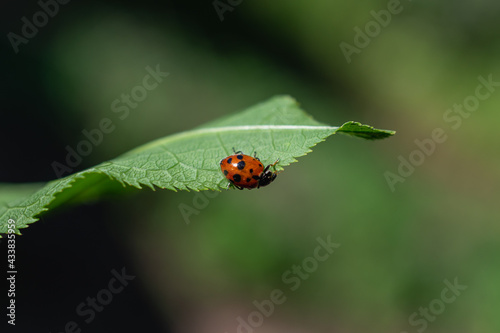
(398, 243)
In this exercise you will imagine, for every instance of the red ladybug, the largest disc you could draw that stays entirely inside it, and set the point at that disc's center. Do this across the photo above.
(245, 171)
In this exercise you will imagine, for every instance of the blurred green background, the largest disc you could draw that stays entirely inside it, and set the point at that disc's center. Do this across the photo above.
(198, 274)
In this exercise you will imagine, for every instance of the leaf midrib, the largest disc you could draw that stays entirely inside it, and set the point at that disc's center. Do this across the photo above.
(218, 130)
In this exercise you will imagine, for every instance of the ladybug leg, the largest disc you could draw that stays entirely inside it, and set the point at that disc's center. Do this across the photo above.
(237, 152)
(270, 165)
(276, 172)
(238, 187)
(255, 156)
(231, 184)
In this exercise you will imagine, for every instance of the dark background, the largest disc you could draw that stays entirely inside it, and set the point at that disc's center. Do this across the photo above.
(397, 246)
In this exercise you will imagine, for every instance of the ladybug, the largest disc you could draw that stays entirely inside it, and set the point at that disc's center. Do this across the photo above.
(245, 171)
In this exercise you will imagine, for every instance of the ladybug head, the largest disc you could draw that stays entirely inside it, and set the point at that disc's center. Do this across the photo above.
(267, 177)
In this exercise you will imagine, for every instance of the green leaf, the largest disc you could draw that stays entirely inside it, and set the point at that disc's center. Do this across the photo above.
(189, 160)
(364, 131)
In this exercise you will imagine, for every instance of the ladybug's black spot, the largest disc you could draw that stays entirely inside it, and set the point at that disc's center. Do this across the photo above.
(225, 172)
(229, 160)
(255, 177)
(261, 165)
(248, 180)
(241, 165)
(237, 178)
(251, 170)
(240, 157)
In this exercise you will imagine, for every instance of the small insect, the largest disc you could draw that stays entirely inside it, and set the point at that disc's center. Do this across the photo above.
(245, 171)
